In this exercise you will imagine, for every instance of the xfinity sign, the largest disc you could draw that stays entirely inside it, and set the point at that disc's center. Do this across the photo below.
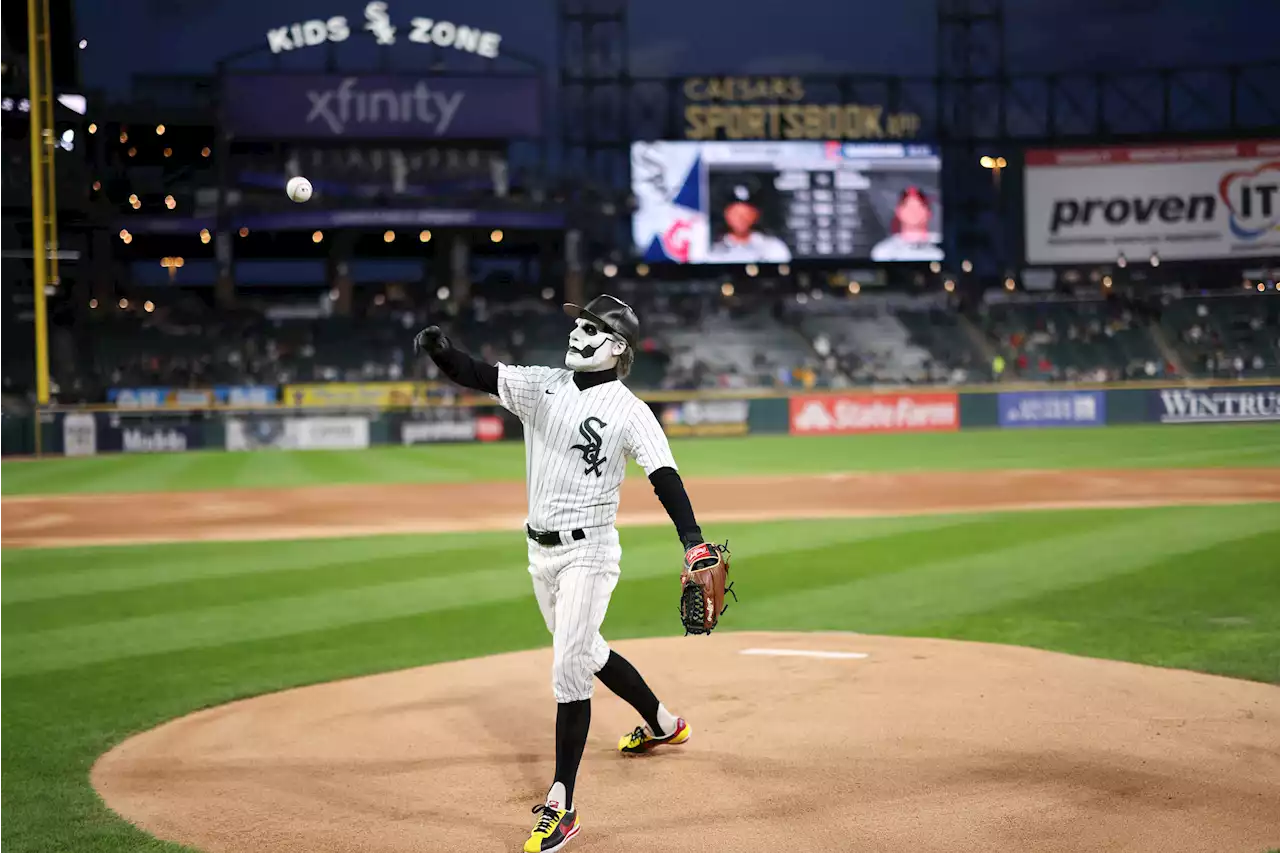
(1189, 202)
(338, 108)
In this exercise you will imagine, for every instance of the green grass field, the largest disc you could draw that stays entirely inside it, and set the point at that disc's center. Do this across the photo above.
(102, 642)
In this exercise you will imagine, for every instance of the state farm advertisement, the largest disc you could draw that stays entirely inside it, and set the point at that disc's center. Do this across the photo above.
(846, 415)
(1183, 202)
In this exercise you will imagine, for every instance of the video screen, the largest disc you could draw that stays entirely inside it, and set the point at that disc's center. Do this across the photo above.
(775, 202)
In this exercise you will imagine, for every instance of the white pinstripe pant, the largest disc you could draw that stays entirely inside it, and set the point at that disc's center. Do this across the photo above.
(573, 584)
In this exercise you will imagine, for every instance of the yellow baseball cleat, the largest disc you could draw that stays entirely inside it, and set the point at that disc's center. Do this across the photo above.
(642, 739)
(553, 830)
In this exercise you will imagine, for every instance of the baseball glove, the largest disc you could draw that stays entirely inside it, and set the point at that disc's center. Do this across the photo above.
(702, 587)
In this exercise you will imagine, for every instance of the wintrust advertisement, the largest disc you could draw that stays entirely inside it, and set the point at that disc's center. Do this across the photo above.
(838, 415)
(1215, 405)
(1182, 202)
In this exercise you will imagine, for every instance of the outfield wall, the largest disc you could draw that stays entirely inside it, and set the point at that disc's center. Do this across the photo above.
(176, 428)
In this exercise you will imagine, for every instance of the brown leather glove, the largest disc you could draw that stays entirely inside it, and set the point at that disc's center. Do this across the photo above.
(703, 584)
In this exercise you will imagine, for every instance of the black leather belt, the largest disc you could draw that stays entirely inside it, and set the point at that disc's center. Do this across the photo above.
(552, 538)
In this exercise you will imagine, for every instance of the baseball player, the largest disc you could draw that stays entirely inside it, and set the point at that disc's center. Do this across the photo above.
(742, 243)
(580, 427)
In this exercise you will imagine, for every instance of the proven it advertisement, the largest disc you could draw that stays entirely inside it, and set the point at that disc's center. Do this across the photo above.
(774, 202)
(1030, 409)
(1183, 202)
(846, 415)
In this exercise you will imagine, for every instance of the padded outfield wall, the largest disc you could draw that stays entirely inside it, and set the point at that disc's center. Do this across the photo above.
(179, 426)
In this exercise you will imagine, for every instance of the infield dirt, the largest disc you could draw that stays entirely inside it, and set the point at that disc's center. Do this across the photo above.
(334, 511)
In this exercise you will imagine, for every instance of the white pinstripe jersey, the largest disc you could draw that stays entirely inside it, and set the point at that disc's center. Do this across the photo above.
(576, 444)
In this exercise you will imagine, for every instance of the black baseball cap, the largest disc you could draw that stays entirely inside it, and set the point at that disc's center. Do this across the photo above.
(611, 314)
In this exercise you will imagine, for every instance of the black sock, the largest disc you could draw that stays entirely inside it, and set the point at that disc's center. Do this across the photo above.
(623, 679)
(573, 721)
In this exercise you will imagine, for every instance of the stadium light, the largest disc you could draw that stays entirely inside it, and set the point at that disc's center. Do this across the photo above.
(317, 236)
(726, 289)
(93, 128)
(97, 186)
(442, 293)
(1122, 261)
(84, 43)
(204, 235)
(935, 267)
(134, 203)
(642, 270)
(168, 152)
(987, 162)
(124, 137)
(548, 293)
(610, 270)
(1155, 259)
(496, 235)
(133, 152)
(389, 237)
(124, 234)
(424, 236)
(159, 130)
(93, 303)
(1261, 287)
(1010, 284)
(133, 198)
(333, 294)
(170, 202)
(855, 288)
(123, 303)
(1106, 282)
(949, 285)
(784, 269)
(966, 265)
(752, 270)
(204, 152)
(150, 306)
(244, 232)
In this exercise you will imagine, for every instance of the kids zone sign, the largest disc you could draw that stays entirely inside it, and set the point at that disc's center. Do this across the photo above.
(385, 30)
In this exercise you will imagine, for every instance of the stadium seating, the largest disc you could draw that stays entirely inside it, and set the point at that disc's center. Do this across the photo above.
(1045, 339)
(1225, 336)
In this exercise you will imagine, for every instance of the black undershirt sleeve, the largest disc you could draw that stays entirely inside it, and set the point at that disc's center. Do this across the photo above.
(670, 490)
(467, 371)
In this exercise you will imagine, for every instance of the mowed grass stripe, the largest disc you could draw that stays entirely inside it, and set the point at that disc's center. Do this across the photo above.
(162, 621)
(50, 573)
(955, 582)
(1213, 608)
(1229, 445)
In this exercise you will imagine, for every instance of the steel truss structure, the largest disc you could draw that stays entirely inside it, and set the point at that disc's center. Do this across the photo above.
(971, 108)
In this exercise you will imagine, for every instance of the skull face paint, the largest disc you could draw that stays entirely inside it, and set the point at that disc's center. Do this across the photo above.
(592, 348)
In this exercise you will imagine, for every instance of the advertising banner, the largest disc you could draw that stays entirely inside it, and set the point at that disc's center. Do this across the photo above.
(160, 397)
(1031, 409)
(381, 106)
(845, 415)
(1214, 405)
(705, 417)
(79, 435)
(297, 433)
(1182, 202)
(148, 437)
(245, 395)
(358, 394)
(431, 426)
(774, 202)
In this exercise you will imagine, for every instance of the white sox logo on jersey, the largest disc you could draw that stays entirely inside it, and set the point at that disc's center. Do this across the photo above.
(590, 448)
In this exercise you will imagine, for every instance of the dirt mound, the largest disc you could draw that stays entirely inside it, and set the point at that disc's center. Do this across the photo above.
(251, 514)
(919, 745)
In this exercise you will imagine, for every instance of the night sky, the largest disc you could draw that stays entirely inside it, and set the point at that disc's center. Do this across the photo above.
(710, 36)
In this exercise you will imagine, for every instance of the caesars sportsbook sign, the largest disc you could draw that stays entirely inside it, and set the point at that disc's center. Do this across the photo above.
(1183, 202)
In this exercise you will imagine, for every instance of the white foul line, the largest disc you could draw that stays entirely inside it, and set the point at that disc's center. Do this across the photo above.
(802, 653)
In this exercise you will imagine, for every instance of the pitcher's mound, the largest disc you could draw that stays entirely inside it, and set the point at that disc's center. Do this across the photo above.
(920, 746)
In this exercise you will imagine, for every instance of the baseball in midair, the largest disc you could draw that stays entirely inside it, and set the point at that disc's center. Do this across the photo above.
(298, 189)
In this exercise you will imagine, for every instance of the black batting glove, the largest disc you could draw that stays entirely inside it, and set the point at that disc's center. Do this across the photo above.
(430, 341)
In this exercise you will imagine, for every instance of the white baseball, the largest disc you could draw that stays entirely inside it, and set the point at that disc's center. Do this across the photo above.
(298, 189)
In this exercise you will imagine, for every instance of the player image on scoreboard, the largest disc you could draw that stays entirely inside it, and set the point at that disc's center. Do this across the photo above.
(775, 202)
(913, 235)
(745, 215)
